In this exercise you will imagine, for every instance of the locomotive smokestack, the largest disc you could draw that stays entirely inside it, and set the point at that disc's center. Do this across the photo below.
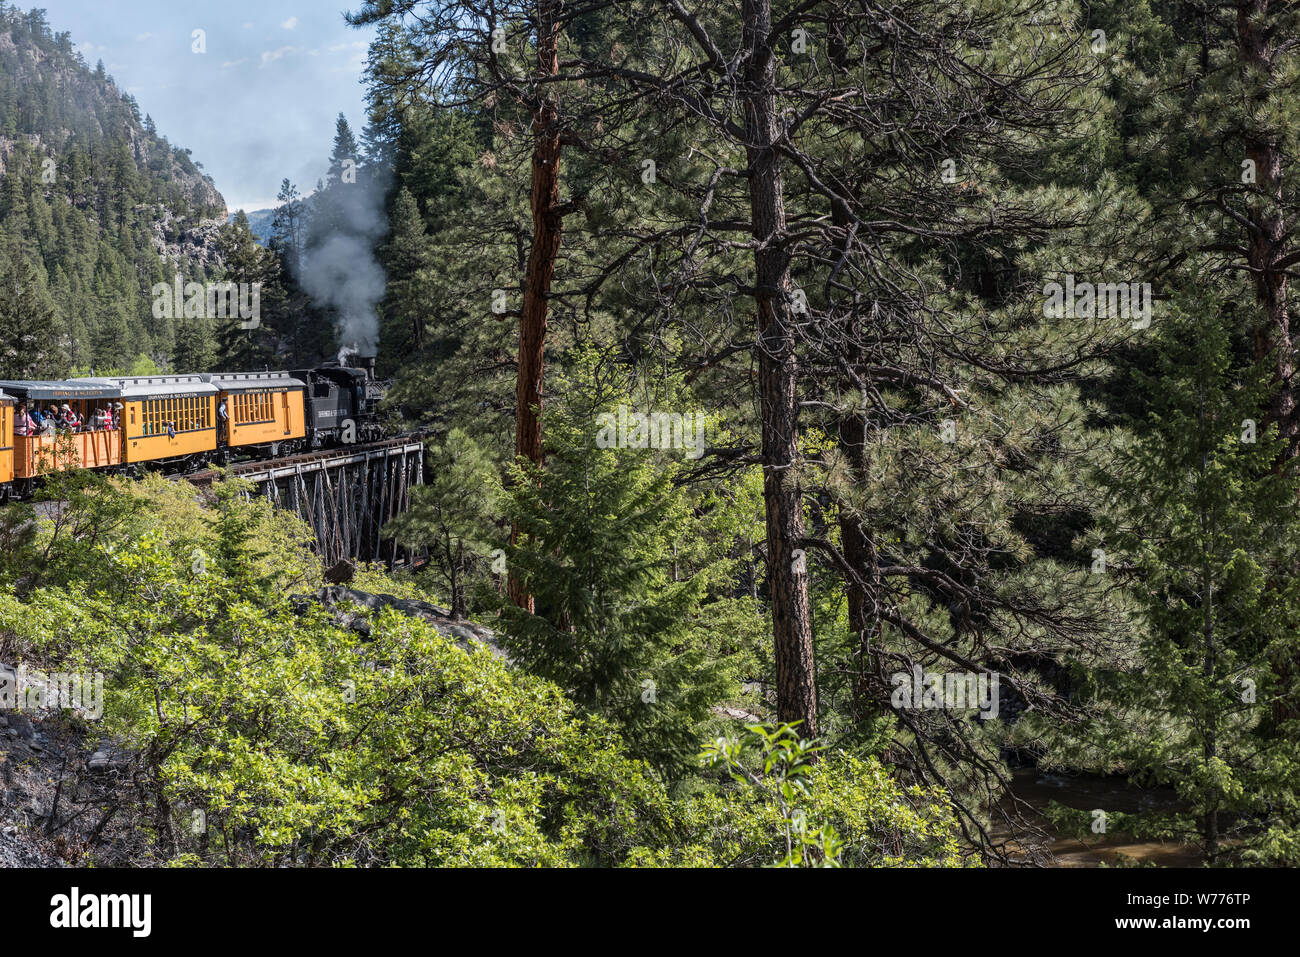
(354, 360)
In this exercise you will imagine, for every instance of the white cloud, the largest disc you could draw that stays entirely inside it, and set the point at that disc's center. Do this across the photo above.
(270, 56)
(229, 63)
(140, 38)
(290, 23)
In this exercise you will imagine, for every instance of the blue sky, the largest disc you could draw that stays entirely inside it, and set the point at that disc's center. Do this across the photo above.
(258, 106)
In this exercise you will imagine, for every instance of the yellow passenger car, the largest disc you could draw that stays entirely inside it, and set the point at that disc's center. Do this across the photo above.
(6, 444)
(261, 408)
(165, 417)
(60, 449)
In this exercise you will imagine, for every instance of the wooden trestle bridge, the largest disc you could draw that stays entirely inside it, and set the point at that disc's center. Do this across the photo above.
(348, 495)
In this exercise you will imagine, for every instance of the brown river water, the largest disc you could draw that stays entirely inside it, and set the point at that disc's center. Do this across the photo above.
(1038, 789)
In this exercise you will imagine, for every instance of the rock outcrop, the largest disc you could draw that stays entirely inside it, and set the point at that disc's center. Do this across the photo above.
(353, 609)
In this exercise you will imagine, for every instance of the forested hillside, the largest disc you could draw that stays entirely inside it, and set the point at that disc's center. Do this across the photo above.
(95, 208)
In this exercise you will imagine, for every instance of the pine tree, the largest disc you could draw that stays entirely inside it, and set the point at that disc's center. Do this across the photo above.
(1206, 525)
(444, 35)
(196, 347)
(603, 547)
(1213, 143)
(452, 515)
(406, 256)
(345, 156)
(249, 265)
(111, 343)
(288, 224)
(30, 347)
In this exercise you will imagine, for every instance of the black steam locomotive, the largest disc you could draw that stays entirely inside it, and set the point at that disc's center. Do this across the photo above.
(342, 403)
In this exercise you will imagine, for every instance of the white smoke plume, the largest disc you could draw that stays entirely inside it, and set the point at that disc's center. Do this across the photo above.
(339, 267)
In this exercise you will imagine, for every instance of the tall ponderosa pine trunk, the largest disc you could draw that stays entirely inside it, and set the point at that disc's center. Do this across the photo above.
(547, 225)
(1266, 254)
(1266, 244)
(855, 542)
(858, 549)
(796, 691)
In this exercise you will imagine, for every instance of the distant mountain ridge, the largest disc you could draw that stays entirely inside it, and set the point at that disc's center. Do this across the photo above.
(259, 222)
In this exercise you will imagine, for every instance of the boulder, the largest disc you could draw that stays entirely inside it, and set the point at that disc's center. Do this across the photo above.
(338, 598)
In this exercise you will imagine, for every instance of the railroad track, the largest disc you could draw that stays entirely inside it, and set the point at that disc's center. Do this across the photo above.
(256, 466)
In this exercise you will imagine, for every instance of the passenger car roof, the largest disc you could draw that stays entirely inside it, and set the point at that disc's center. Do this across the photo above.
(155, 386)
(41, 389)
(247, 381)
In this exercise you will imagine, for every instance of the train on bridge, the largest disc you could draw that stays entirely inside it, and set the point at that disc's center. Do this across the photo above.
(183, 423)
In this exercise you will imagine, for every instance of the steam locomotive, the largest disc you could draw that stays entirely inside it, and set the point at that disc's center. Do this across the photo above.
(186, 422)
